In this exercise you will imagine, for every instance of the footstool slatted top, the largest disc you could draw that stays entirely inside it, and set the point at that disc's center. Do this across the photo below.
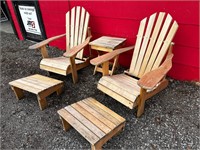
(91, 119)
(35, 83)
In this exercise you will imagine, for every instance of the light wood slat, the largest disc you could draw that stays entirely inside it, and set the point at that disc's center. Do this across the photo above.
(85, 132)
(83, 12)
(81, 26)
(55, 70)
(95, 113)
(24, 86)
(72, 27)
(159, 43)
(25, 82)
(151, 43)
(166, 44)
(91, 118)
(68, 32)
(85, 121)
(84, 32)
(117, 96)
(144, 43)
(45, 80)
(58, 62)
(107, 42)
(111, 55)
(36, 82)
(115, 115)
(124, 82)
(77, 25)
(85, 27)
(124, 89)
(102, 112)
(118, 89)
(138, 44)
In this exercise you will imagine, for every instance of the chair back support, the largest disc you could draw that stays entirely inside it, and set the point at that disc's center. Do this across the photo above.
(76, 28)
(153, 40)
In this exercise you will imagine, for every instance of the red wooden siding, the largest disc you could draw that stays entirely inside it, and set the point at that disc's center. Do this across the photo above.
(15, 21)
(121, 19)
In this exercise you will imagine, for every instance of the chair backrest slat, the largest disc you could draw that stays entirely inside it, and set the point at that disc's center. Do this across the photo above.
(159, 43)
(144, 44)
(76, 28)
(138, 43)
(152, 43)
(77, 25)
(150, 50)
(72, 27)
(81, 26)
(165, 45)
(85, 28)
(68, 30)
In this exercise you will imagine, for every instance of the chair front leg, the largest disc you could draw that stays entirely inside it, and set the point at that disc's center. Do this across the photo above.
(141, 102)
(44, 52)
(144, 95)
(74, 70)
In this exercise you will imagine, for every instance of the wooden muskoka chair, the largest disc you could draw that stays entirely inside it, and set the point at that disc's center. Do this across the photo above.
(151, 60)
(72, 60)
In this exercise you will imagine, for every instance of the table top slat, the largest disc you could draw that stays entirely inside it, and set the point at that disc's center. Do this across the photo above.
(107, 42)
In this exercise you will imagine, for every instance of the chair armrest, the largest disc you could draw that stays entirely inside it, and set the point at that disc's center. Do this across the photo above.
(45, 42)
(73, 51)
(151, 79)
(108, 56)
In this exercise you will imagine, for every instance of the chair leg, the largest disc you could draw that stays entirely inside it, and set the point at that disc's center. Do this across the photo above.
(95, 69)
(115, 64)
(140, 109)
(144, 95)
(141, 104)
(74, 70)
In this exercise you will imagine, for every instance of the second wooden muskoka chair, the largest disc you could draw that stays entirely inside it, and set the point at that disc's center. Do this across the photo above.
(151, 60)
(72, 60)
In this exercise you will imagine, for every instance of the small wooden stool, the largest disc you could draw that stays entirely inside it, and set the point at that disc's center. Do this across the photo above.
(40, 85)
(94, 121)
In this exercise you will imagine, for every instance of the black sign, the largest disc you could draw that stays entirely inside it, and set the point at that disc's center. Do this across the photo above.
(30, 20)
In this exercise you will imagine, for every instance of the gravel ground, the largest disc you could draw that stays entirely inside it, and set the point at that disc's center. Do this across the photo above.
(170, 121)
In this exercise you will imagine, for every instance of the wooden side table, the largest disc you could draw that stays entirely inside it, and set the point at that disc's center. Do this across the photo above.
(107, 44)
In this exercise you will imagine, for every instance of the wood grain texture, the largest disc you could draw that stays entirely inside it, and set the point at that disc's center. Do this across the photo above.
(150, 80)
(45, 42)
(108, 56)
(94, 121)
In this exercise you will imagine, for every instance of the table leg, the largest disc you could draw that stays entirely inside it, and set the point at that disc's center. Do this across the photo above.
(42, 102)
(18, 92)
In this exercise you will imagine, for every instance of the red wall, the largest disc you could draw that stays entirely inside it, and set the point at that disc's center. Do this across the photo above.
(121, 19)
(14, 18)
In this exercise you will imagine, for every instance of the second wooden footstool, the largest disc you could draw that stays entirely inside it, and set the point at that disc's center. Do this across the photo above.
(40, 85)
(94, 121)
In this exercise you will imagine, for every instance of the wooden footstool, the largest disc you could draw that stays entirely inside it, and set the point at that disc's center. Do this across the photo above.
(94, 121)
(40, 85)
